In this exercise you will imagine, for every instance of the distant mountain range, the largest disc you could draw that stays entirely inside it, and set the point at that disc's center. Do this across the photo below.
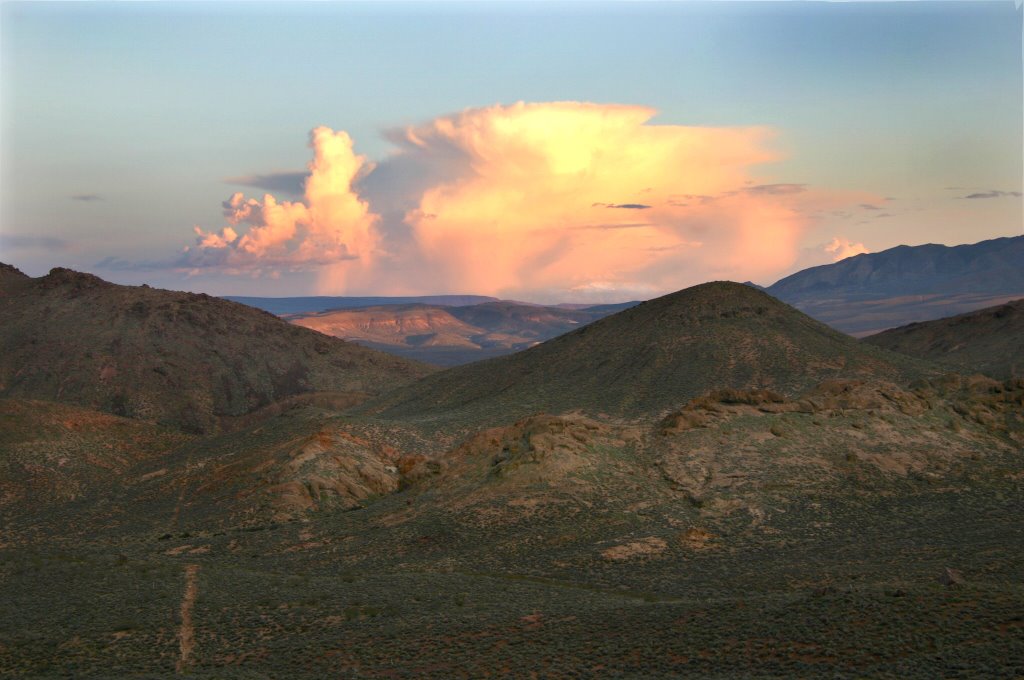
(452, 335)
(861, 295)
(869, 293)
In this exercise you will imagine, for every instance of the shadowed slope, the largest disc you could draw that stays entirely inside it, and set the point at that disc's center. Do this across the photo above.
(990, 340)
(652, 357)
(179, 358)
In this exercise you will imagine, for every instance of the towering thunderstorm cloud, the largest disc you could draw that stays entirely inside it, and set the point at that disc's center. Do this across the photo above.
(528, 200)
(333, 224)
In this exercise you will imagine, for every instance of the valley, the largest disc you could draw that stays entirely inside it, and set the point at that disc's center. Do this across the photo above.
(704, 485)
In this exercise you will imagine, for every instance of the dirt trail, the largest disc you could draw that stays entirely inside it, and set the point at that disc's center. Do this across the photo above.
(186, 634)
(173, 523)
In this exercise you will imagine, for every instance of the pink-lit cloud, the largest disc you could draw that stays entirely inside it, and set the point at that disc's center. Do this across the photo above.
(561, 200)
(841, 248)
(332, 224)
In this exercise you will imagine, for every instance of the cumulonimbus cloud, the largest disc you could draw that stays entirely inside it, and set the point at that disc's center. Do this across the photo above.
(514, 201)
(333, 223)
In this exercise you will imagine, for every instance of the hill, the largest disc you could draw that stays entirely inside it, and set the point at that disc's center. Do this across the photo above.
(652, 357)
(178, 358)
(448, 336)
(868, 293)
(989, 341)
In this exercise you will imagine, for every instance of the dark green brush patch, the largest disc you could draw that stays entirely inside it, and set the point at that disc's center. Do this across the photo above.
(861, 600)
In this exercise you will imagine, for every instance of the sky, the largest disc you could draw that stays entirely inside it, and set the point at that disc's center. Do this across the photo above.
(550, 152)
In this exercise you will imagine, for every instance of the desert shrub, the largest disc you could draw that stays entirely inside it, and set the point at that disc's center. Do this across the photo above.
(119, 404)
(749, 397)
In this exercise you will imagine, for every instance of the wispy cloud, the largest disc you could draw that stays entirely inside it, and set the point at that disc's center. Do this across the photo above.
(119, 264)
(629, 206)
(992, 193)
(292, 183)
(616, 225)
(776, 189)
(86, 197)
(29, 242)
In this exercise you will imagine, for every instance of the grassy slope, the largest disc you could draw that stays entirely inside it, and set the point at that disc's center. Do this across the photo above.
(179, 358)
(989, 341)
(649, 358)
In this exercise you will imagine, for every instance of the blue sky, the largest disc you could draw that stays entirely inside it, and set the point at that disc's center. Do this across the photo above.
(121, 122)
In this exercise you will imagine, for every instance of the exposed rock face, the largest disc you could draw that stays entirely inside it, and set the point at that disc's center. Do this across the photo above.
(333, 469)
(643, 548)
(398, 325)
(725, 450)
(951, 578)
(178, 358)
(296, 464)
(447, 335)
(541, 448)
(9, 274)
